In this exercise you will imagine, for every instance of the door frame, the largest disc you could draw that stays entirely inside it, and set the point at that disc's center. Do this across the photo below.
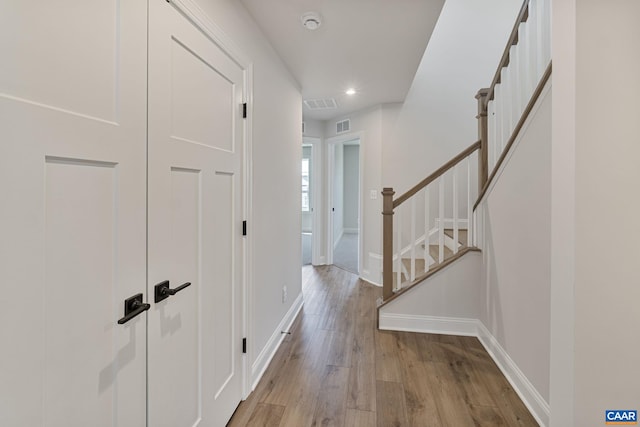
(316, 196)
(331, 144)
(201, 20)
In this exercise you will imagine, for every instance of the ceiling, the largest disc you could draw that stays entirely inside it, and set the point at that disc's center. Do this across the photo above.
(373, 46)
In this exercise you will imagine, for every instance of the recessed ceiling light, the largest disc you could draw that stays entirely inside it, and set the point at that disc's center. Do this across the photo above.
(311, 20)
(350, 91)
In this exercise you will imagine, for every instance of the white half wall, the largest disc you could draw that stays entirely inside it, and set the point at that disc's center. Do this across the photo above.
(515, 224)
(452, 293)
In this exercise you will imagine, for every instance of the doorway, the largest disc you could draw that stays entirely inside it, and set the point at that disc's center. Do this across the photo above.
(344, 189)
(310, 189)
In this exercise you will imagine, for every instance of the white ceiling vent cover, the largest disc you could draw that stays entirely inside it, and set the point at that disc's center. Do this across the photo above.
(343, 126)
(321, 104)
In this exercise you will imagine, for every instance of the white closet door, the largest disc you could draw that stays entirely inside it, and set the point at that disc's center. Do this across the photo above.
(195, 224)
(72, 212)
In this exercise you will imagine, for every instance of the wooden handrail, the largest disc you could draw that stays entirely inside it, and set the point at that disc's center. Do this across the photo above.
(513, 40)
(440, 171)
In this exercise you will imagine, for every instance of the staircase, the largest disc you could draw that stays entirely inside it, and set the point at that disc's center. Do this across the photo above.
(433, 224)
(433, 256)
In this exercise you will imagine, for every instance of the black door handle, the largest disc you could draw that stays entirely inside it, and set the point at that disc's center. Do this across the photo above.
(162, 290)
(132, 307)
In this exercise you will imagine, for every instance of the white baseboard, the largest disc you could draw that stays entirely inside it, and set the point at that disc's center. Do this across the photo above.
(532, 399)
(428, 324)
(264, 358)
(366, 276)
(536, 404)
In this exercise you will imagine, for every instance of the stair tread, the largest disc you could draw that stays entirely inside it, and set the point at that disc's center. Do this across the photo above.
(435, 253)
(462, 235)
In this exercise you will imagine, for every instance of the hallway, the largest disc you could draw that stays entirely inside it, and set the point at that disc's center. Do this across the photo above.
(337, 369)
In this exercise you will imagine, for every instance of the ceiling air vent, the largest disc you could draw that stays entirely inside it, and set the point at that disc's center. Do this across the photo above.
(321, 104)
(343, 126)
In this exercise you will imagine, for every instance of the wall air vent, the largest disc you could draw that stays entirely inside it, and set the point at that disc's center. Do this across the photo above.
(321, 104)
(343, 126)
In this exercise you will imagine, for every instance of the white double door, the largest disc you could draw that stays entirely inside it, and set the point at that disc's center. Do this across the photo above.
(121, 142)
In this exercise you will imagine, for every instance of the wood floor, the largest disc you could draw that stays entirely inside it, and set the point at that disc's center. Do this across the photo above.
(337, 369)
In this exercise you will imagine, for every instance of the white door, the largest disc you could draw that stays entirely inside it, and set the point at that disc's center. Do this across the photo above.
(195, 223)
(72, 212)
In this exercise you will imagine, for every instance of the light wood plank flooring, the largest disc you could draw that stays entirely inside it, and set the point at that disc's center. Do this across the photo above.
(337, 369)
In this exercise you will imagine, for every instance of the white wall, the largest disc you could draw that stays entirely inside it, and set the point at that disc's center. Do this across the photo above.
(351, 183)
(515, 218)
(437, 119)
(276, 178)
(604, 186)
(314, 128)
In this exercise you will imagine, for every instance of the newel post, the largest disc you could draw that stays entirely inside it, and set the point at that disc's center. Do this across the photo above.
(483, 137)
(387, 242)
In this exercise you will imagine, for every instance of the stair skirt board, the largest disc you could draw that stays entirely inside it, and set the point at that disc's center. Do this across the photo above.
(536, 404)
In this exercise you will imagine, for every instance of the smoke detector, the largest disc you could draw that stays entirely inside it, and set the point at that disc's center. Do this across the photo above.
(311, 20)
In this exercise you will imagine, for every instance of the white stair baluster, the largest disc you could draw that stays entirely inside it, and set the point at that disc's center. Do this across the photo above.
(412, 273)
(427, 257)
(442, 222)
(399, 237)
(455, 209)
(492, 132)
(469, 207)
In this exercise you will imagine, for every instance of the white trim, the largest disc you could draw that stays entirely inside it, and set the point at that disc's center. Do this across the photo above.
(428, 324)
(332, 141)
(532, 399)
(266, 355)
(316, 197)
(536, 404)
(192, 11)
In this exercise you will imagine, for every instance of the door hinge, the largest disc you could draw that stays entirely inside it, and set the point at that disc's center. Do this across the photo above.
(244, 228)
(244, 110)
(244, 345)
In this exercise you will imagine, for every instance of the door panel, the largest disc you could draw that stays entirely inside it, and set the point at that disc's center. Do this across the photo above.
(79, 212)
(195, 223)
(72, 221)
(223, 232)
(58, 38)
(197, 116)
